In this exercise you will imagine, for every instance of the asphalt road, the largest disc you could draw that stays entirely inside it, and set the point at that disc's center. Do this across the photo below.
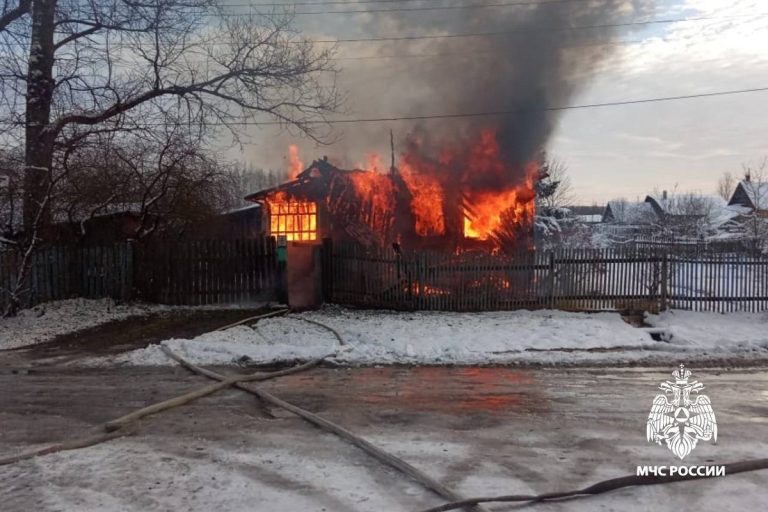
(483, 431)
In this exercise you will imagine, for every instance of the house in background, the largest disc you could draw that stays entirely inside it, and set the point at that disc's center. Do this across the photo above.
(691, 215)
(751, 196)
(688, 218)
(628, 213)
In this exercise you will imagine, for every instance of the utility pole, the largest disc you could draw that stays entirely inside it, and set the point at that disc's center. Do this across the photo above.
(392, 170)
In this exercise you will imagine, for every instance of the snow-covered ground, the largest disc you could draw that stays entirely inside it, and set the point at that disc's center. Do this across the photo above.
(51, 319)
(46, 321)
(385, 337)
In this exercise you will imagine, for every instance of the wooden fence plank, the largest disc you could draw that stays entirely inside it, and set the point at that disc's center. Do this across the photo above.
(570, 278)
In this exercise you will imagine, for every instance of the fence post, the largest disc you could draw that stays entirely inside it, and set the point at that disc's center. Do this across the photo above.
(551, 301)
(664, 280)
(326, 270)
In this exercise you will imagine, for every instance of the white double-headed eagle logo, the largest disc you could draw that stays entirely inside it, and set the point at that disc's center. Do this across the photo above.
(681, 422)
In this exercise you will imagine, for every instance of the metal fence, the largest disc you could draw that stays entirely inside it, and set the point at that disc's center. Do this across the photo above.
(570, 279)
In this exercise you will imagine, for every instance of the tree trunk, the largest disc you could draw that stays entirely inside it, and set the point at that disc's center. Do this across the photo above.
(39, 139)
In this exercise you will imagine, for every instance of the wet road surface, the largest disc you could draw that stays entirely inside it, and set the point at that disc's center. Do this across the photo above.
(477, 430)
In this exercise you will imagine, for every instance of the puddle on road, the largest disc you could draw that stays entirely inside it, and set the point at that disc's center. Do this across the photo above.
(446, 390)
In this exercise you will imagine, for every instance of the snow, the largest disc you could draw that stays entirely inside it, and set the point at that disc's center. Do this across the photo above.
(631, 213)
(592, 218)
(712, 330)
(46, 321)
(546, 336)
(757, 191)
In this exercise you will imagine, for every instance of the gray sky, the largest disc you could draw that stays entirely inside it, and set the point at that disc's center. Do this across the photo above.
(623, 151)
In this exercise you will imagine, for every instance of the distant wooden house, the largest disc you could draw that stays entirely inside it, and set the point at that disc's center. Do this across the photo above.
(629, 213)
(751, 196)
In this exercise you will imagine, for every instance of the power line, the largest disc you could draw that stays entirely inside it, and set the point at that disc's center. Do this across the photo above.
(505, 112)
(528, 31)
(510, 32)
(491, 113)
(356, 2)
(518, 31)
(475, 53)
(524, 3)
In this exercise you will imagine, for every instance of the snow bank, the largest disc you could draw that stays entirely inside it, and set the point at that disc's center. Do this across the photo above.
(46, 321)
(712, 330)
(384, 337)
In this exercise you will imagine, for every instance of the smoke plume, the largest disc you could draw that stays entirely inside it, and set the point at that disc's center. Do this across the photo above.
(539, 57)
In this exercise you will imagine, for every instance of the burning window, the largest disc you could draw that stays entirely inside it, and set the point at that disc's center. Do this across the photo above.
(296, 220)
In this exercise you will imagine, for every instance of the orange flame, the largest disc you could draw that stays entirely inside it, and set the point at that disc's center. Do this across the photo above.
(468, 189)
(376, 195)
(484, 209)
(427, 200)
(295, 165)
(484, 186)
(292, 218)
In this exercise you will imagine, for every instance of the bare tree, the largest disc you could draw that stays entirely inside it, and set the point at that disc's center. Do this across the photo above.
(725, 185)
(140, 64)
(71, 70)
(554, 190)
(755, 222)
(246, 179)
(162, 180)
(684, 215)
(11, 163)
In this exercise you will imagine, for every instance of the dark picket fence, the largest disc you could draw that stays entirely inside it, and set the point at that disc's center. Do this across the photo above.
(243, 271)
(207, 272)
(64, 272)
(570, 279)
(182, 273)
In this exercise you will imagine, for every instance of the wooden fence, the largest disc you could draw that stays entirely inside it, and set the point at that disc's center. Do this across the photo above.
(64, 272)
(194, 272)
(583, 280)
(242, 271)
(207, 272)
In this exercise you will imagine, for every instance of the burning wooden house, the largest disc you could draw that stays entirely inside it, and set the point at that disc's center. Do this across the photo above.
(459, 201)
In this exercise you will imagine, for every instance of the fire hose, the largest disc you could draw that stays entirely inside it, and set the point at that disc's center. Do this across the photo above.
(603, 486)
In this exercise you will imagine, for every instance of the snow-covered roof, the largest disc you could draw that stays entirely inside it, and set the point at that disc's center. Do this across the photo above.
(241, 208)
(725, 214)
(686, 204)
(752, 194)
(626, 212)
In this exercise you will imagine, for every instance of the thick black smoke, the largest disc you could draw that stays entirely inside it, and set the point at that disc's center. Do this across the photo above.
(542, 56)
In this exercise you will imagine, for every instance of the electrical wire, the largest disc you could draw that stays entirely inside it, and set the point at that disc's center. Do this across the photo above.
(489, 113)
(511, 112)
(525, 3)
